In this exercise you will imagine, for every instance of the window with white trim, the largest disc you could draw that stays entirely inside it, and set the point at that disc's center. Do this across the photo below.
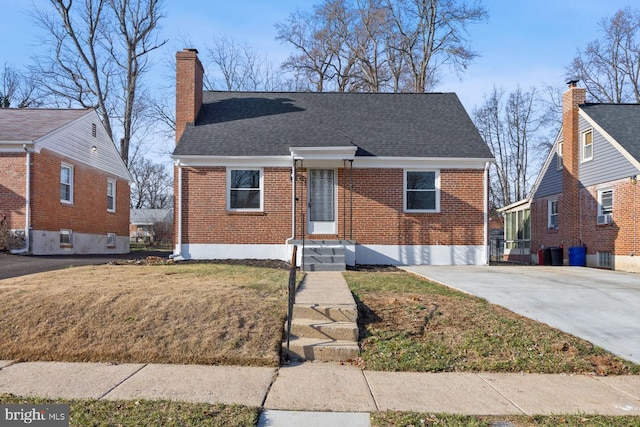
(605, 206)
(66, 238)
(587, 145)
(559, 156)
(553, 214)
(66, 183)
(111, 240)
(244, 189)
(421, 191)
(111, 195)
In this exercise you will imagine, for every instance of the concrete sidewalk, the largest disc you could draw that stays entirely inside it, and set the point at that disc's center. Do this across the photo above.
(328, 387)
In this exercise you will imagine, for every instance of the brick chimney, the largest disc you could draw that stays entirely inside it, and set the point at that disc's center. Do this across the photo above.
(569, 214)
(189, 74)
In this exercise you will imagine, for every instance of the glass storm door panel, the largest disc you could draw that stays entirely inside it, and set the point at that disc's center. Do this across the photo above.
(322, 201)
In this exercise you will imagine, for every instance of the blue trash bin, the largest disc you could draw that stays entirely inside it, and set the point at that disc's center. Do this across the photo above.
(578, 256)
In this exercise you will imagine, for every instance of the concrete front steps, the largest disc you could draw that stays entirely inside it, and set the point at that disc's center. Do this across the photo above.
(323, 255)
(324, 325)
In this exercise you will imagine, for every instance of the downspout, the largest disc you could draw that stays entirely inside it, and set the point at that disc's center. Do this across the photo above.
(177, 251)
(27, 208)
(486, 213)
(293, 199)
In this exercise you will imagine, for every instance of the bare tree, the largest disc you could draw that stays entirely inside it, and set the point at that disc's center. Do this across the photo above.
(366, 45)
(609, 67)
(18, 90)
(312, 40)
(513, 128)
(152, 184)
(232, 65)
(99, 52)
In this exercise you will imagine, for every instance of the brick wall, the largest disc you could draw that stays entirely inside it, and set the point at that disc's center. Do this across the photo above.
(13, 188)
(378, 216)
(88, 213)
(617, 237)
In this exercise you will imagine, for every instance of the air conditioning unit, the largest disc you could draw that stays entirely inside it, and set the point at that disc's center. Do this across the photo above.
(605, 219)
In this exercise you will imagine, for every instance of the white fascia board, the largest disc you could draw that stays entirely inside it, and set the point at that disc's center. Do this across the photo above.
(324, 153)
(635, 162)
(359, 162)
(15, 146)
(521, 204)
(420, 162)
(233, 161)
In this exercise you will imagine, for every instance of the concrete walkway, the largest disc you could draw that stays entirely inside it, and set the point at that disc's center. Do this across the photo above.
(328, 387)
(325, 393)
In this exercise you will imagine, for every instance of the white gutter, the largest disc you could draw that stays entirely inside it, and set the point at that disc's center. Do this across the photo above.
(293, 198)
(486, 213)
(177, 250)
(27, 209)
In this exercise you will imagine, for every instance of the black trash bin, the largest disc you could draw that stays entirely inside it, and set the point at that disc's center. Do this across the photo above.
(547, 256)
(556, 256)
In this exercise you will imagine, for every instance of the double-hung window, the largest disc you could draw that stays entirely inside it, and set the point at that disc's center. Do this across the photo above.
(553, 214)
(111, 195)
(605, 206)
(421, 191)
(245, 189)
(587, 145)
(66, 183)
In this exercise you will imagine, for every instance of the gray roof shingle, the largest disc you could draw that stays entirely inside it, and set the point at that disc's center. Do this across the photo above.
(30, 124)
(621, 121)
(379, 124)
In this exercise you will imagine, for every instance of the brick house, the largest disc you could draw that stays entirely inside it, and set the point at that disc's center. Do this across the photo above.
(585, 198)
(62, 182)
(359, 178)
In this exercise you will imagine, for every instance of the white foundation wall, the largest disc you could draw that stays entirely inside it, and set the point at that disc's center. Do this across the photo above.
(48, 243)
(421, 255)
(355, 254)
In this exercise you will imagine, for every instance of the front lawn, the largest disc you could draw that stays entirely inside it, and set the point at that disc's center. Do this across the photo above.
(182, 313)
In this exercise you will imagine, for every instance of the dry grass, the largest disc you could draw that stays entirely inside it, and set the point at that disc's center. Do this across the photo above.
(183, 313)
(411, 324)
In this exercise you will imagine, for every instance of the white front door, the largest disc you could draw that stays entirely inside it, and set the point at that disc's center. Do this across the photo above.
(322, 201)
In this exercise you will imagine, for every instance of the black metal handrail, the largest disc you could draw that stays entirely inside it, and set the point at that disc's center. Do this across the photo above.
(292, 291)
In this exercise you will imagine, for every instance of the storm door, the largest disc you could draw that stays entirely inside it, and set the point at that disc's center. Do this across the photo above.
(322, 201)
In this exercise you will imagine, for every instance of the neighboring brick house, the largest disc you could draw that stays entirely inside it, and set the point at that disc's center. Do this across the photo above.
(586, 196)
(381, 178)
(62, 182)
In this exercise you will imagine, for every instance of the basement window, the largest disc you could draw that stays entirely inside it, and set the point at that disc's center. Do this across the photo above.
(111, 240)
(66, 238)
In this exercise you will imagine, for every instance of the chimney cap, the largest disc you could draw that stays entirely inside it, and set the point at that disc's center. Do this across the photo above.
(190, 49)
(573, 82)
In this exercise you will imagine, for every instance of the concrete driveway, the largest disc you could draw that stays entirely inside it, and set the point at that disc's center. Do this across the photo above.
(600, 306)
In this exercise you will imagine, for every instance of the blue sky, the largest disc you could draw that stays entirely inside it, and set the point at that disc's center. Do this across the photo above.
(525, 42)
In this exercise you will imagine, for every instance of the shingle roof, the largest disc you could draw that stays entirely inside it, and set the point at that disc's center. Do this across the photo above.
(380, 124)
(31, 124)
(149, 216)
(621, 121)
